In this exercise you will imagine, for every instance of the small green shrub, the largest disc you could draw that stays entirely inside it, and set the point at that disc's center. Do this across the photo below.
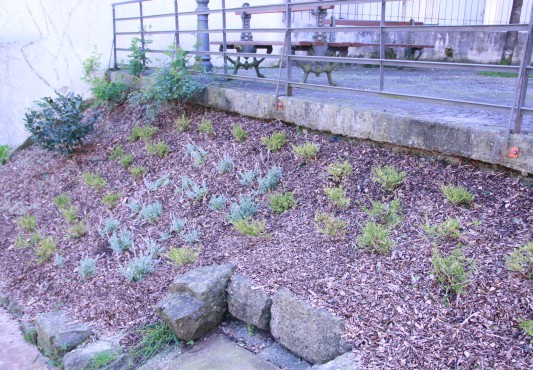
(238, 133)
(121, 241)
(27, 223)
(152, 212)
(111, 199)
(137, 60)
(126, 160)
(159, 183)
(160, 149)
(226, 164)
(117, 152)
(329, 225)
(182, 124)
(86, 268)
(275, 141)
(5, 151)
(388, 177)
(109, 227)
(196, 153)
(448, 229)
(385, 213)
(182, 256)
(251, 227)
(70, 214)
(270, 181)
(217, 202)
(206, 127)
(245, 208)
(45, 249)
(521, 260)
(457, 194)
(101, 360)
(94, 180)
(143, 132)
(307, 150)
(527, 326)
(375, 238)
(155, 337)
(338, 197)
(77, 230)
(282, 202)
(62, 200)
(59, 124)
(452, 271)
(138, 171)
(338, 171)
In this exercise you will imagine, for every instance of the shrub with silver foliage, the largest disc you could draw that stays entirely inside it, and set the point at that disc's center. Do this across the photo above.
(87, 267)
(121, 242)
(270, 181)
(246, 207)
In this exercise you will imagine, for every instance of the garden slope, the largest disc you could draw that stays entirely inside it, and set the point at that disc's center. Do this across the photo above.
(392, 304)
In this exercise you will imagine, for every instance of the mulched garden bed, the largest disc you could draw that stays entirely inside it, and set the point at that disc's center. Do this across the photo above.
(393, 305)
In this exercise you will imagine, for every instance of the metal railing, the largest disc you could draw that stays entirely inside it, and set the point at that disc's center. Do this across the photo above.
(516, 110)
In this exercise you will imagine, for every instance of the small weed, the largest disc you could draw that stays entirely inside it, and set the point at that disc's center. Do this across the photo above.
(282, 202)
(182, 124)
(338, 197)
(86, 268)
(110, 226)
(251, 227)
(339, 171)
(270, 181)
(182, 256)
(238, 133)
(457, 194)
(59, 260)
(101, 360)
(143, 132)
(24, 242)
(275, 141)
(21, 242)
(138, 171)
(521, 260)
(527, 326)
(77, 230)
(192, 237)
(385, 213)
(375, 238)
(5, 150)
(116, 153)
(45, 249)
(94, 181)
(206, 127)
(160, 149)
(245, 208)
(388, 177)
(62, 200)
(328, 224)
(126, 160)
(217, 202)
(159, 183)
(225, 165)
(250, 329)
(196, 153)
(452, 271)
(152, 212)
(27, 223)
(155, 337)
(178, 225)
(111, 199)
(247, 178)
(306, 151)
(120, 242)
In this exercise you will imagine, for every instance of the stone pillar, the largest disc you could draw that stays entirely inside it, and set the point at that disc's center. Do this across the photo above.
(202, 39)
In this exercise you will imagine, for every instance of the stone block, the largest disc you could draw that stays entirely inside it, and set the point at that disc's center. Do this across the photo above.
(28, 330)
(57, 335)
(247, 304)
(309, 332)
(4, 300)
(187, 316)
(85, 357)
(343, 362)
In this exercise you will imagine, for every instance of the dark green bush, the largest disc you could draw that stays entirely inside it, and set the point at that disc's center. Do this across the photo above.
(59, 124)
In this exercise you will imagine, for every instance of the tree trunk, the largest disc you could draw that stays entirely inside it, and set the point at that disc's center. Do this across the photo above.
(511, 37)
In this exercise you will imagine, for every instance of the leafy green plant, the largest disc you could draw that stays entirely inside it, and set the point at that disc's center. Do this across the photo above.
(521, 260)
(247, 178)
(77, 230)
(59, 124)
(101, 360)
(338, 196)
(143, 132)
(251, 227)
(160, 149)
(27, 223)
(385, 213)
(329, 225)
(270, 181)
(238, 133)
(245, 208)
(182, 256)
(306, 151)
(5, 151)
(527, 326)
(225, 165)
(375, 238)
(121, 241)
(126, 160)
(448, 229)
(388, 177)
(250, 329)
(275, 141)
(138, 171)
(339, 171)
(155, 337)
(94, 181)
(457, 194)
(117, 152)
(152, 212)
(70, 213)
(62, 200)
(137, 59)
(217, 202)
(111, 199)
(45, 249)
(206, 127)
(282, 202)
(182, 124)
(87, 267)
(109, 227)
(196, 153)
(452, 271)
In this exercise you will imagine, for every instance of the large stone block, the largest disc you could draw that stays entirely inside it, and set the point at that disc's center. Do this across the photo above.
(248, 304)
(187, 316)
(57, 335)
(86, 357)
(310, 333)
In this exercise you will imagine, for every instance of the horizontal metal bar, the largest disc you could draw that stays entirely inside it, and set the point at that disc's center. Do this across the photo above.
(166, 15)
(129, 2)
(425, 28)
(216, 30)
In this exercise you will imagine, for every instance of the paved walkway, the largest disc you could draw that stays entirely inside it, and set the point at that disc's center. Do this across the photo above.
(15, 353)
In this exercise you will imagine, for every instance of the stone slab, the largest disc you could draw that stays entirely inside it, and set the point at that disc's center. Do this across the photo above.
(83, 357)
(219, 353)
(248, 304)
(278, 355)
(343, 362)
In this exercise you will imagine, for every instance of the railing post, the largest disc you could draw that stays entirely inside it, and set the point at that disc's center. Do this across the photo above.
(224, 37)
(202, 39)
(142, 29)
(115, 64)
(288, 45)
(177, 24)
(382, 47)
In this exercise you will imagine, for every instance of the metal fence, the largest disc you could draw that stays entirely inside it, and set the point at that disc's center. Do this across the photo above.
(214, 19)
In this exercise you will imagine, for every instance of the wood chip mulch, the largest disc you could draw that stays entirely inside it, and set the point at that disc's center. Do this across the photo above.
(393, 305)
